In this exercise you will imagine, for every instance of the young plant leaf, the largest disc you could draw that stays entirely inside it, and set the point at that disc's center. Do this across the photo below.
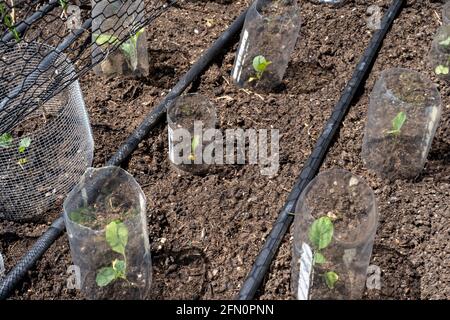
(22, 162)
(331, 278)
(24, 144)
(101, 39)
(321, 233)
(319, 258)
(260, 63)
(441, 70)
(6, 140)
(119, 267)
(117, 236)
(81, 216)
(397, 123)
(445, 42)
(195, 143)
(105, 276)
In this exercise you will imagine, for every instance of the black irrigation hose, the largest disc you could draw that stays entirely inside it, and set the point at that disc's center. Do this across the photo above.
(312, 165)
(14, 277)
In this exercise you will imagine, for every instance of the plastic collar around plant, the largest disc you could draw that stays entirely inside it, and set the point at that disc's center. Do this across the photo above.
(312, 165)
(14, 277)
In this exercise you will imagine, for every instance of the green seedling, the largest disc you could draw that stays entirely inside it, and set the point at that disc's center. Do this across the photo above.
(129, 47)
(23, 146)
(445, 43)
(6, 140)
(64, 4)
(320, 235)
(8, 21)
(194, 144)
(82, 216)
(397, 124)
(442, 70)
(260, 64)
(116, 235)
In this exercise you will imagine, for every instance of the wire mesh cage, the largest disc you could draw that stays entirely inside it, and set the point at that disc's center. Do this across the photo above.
(85, 31)
(43, 156)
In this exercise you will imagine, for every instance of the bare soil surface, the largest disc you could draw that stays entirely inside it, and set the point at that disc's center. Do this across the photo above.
(206, 231)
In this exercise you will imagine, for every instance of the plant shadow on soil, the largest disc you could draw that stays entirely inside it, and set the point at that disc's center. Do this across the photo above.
(181, 274)
(438, 162)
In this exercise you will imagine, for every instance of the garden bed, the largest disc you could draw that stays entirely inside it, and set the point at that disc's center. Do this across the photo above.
(205, 232)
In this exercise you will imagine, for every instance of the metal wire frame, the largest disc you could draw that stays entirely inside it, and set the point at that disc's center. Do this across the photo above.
(47, 26)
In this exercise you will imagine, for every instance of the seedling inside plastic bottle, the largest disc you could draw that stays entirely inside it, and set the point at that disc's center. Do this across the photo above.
(397, 124)
(129, 47)
(445, 43)
(116, 235)
(260, 64)
(441, 70)
(194, 144)
(320, 235)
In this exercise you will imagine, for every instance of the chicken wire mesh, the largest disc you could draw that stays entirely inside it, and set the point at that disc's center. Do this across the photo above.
(71, 27)
(43, 156)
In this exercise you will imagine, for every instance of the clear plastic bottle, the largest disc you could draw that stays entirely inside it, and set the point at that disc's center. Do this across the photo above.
(107, 228)
(439, 56)
(403, 115)
(267, 41)
(446, 14)
(112, 21)
(334, 228)
(189, 119)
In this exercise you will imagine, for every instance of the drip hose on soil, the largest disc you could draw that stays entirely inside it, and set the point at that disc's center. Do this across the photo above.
(13, 278)
(312, 165)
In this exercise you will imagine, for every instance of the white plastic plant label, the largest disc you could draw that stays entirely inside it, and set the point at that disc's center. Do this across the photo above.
(2, 266)
(304, 275)
(240, 57)
(171, 154)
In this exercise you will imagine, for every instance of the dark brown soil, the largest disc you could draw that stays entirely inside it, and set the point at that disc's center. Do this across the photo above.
(206, 231)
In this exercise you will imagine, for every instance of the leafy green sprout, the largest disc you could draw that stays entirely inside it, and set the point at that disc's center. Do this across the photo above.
(9, 22)
(397, 123)
(260, 64)
(64, 4)
(116, 235)
(320, 235)
(195, 142)
(129, 47)
(441, 70)
(6, 141)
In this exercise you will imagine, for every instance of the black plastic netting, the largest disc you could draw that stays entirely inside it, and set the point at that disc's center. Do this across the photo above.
(85, 31)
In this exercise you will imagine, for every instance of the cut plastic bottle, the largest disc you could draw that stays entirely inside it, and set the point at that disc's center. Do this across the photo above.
(446, 14)
(2, 266)
(106, 224)
(191, 118)
(439, 56)
(403, 115)
(334, 228)
(112, 21)
(267, 41)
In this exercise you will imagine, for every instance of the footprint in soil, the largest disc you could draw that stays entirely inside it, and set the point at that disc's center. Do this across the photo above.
(307, 77)
(179, 275)
(399, 278)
